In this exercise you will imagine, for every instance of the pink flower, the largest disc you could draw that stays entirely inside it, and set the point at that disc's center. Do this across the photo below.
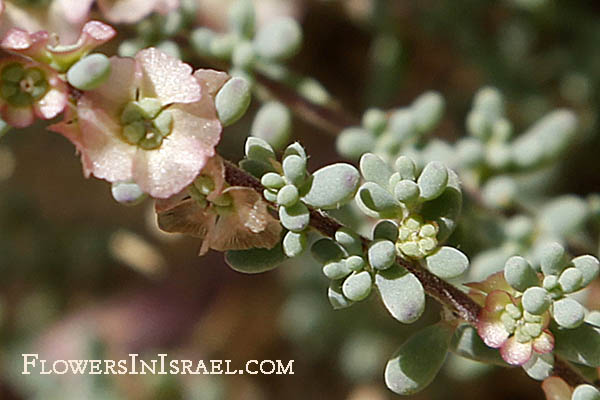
(29, 89)
(64, 17)
(505, 325)
(225, 218)
(41, 46)
(151, 122)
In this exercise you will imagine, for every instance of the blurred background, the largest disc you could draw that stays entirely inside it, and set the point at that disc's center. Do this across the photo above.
(86, 278)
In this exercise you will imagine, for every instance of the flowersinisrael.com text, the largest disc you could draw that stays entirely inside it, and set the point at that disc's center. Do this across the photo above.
(162, 365)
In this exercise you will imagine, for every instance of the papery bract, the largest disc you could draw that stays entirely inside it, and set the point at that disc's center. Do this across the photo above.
(231, 218)
(29, 90)
(41, 46)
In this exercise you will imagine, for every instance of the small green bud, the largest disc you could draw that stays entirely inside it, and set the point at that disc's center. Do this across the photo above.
(550, 283)
(382, 254)
(294, 244)
(519, 274)
(127, 193)
(568, 313)
(233, 100)
(536, 300)
(279, 39)
(519, 228)
(169, 47)
(89, 72)
(357, 286)
(287, 196)
(294, 169)
(272, 180)
(433, 180)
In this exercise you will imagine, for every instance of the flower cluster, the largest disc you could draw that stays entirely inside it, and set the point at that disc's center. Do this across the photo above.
(519, 302)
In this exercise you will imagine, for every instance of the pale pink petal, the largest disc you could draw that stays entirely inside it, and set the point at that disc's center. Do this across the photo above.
(198, 120)
(516, 353)
(165, 6)
(162, 205)
(167, 78)
(93, 34)
(168, 169)
(19, 41)
(490, 328)
(19, 117)
(111, 157)
(125, 11)
(544, 343)
(69, 128)
(119, 89)
(211, 80)
(75, 11)
(53, 102)
(556, 389)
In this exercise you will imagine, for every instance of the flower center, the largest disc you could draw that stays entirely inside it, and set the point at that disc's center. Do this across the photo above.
(416, 238)
(21, 86)
(145, 123)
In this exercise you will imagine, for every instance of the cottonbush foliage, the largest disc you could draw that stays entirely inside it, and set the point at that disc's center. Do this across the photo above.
(424, 203)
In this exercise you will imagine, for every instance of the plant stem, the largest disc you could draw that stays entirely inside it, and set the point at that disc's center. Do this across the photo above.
(446, 294)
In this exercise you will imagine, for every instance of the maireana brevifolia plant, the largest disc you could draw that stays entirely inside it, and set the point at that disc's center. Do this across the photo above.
(148, 123)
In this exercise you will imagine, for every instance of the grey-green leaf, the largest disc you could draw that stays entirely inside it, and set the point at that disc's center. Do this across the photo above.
(357, 286)
(519, 274)
(568, 313)
(374, 169)
(273, 123)
(254, 261)
(418, 360)
(89, 72)
(332, 186)
(401, 293)
(589, 267)
(375, 201)
(586, 392)
(447, 262)
(279, 39)
(294, 218)
(326, 250)
(580, 345)
(466, 342)
(233, 100)
(433, 180)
